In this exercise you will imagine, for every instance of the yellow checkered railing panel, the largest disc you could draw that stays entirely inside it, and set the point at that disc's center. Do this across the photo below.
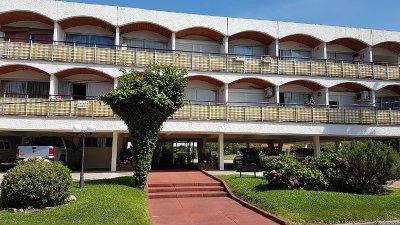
(365, 71)
(60, 108)
(41, 51)
(105, 56)
(287, 114)
(395, 117)
(217, 112)
(353, 116)
(383, 117)
(19, 50)
(318, 69)
(334, 69)
(368, 116)
(236, 113)
(84, 54)
(304, 114)
(236, 64)
(164, 58)
(269, 66)
(350, 70)
(321, 115)
(182, 113)
(286, 67)
(63, 53)
(14, 106)
(199, 112)
(3, 49)
(393, 73)
(37, 106)
(200, 62)
(303, 67)
(217, 63)
(336, 116)
(253, 113)
(100, 109)
(270, 113)
(183, 60)
(380, 72)
(125, 57)
(253, 65)
(144, 58)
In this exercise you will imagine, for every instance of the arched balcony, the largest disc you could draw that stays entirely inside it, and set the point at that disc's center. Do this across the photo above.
(347, 49)
(301, 92)
(25, 26)
(203, 90)
(199, 40)
(388, 97)
(386, 52)
(298, 46)
(250, 91)
(83, 83)
(350, 95)
(250, 43)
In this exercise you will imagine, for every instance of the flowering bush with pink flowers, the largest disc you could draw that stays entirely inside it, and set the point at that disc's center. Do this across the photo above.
(285, 172)
(127, 161)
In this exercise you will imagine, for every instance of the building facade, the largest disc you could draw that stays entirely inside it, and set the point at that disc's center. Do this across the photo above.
(248, 80)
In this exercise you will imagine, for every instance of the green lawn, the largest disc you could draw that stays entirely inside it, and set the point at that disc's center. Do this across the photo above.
(316, 207)
(229, 157)
(112, 201)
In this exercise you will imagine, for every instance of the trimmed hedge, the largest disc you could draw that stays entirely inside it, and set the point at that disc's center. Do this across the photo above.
(35, 183)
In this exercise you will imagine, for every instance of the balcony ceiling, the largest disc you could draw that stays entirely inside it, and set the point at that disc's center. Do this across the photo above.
(352, 86)
(207, 79)
(351, 43)
(310, 41)
(14, 68)
(84, 20)
(16, 16)
(259, 82)
(145, 26)
(307, 84)
(394, 88)
(253, 35)
(201, 31)
(390, 45)
(75, 71)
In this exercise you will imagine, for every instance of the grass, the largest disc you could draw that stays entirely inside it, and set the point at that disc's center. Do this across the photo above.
(112, 201)
(229, 157)
(316, 207)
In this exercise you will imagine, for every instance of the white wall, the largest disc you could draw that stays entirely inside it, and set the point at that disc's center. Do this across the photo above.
(384, 55)
(293, 46)
(343, 98)
(30, 24)
(295, 88)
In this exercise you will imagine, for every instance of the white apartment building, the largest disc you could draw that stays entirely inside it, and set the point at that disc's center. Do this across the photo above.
(248, 80)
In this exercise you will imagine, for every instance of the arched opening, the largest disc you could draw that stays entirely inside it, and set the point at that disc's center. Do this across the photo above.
(145, 35)
(349, 95)
(301, 92)
(83, 83)
(298, 46)
(25, 26)
(386, 52)
(88, 31)
(203, 89)
(20, 81)
(250, 91)
(199, 39)
(388, 97)
(346, 49)
(249, 43)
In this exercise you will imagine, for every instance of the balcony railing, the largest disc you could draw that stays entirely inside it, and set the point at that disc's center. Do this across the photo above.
(126, 56)
(256, 112)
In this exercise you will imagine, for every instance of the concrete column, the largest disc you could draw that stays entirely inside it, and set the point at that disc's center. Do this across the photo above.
(173, 41)
(221, 151)
(53, 85)
(276, 89)
(226, 45)
(273, 48)
(317, 146)
(326, 96)
(117, 36)
(58, 33)
(366, 54)
(373, 98)
(320, 52)
(248, 144)
(114, 151)
(115, 82)
(337, 145)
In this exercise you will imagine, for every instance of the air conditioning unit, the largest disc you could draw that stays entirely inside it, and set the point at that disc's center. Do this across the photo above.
(363, 96)
(269, 92)
(240, 58)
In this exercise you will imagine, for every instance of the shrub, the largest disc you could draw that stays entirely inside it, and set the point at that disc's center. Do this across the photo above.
(370, 164)
(35, 183)
(284, 172)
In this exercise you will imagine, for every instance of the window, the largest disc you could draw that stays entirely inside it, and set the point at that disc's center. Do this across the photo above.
(34, 89)
(109, 142)
(295, 98)
(297, 54)
(390, 102)
(241, 50)
(90, 142)
(137, 43)
(90, 40)
(341, 56)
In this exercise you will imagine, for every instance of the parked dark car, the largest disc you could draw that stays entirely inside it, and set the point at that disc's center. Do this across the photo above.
(248, 156)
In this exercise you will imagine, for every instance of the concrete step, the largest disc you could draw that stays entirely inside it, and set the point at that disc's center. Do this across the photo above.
(185, 189)
(189, 194)
(183, 184)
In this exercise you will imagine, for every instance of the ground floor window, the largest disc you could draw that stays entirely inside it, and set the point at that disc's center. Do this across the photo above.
(175, 153)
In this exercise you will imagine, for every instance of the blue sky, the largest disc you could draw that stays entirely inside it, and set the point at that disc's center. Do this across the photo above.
(375, 14)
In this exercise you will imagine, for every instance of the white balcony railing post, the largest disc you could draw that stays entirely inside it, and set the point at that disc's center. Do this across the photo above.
(9, 48)
(94, 54)
(3, 102)
(262, 112)
(74, 55)
(390, 116)
(30, 49)
(26, 105)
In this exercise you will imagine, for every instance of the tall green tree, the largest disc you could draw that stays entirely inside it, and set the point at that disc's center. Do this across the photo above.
(144, 102)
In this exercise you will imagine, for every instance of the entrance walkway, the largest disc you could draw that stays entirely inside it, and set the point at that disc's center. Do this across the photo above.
(178, 197)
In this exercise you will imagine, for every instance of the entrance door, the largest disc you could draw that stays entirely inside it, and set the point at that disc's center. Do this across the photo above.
(79, 91)
(175, 153)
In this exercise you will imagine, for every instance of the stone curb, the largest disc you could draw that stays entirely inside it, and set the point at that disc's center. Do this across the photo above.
(394, 222)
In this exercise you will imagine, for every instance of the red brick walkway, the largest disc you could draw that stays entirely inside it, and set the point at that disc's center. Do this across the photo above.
(187, 198)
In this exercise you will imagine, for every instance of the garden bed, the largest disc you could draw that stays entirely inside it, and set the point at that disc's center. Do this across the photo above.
(112, 201)
(316, 207)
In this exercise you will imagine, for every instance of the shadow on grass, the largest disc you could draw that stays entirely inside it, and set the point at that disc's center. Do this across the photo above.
(125, 181)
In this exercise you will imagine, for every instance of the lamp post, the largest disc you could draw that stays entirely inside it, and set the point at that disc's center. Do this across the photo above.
(77, 128)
